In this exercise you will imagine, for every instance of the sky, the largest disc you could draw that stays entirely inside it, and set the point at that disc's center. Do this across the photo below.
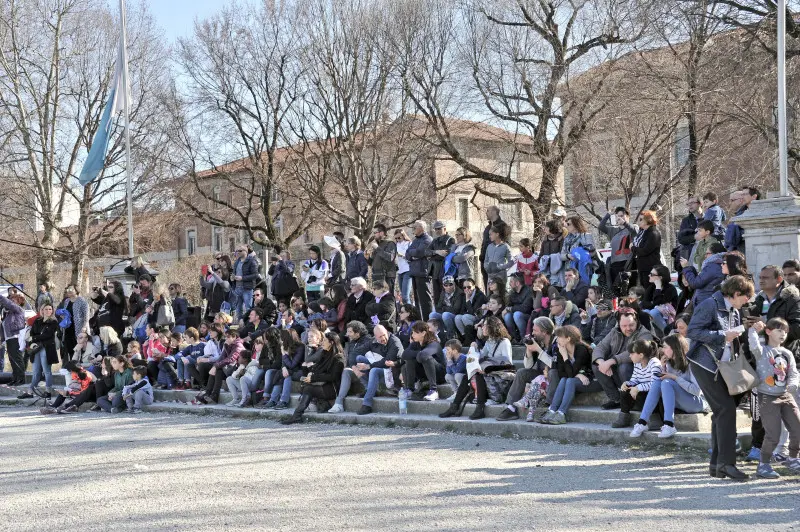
(177, 16)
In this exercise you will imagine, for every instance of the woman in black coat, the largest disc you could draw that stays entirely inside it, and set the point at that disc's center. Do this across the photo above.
(659, 296)
(43, 339)
(646, 247)
(323, 378)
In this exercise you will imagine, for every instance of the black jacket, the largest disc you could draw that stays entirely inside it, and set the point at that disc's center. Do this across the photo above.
(648, 253)
(385, 310)
(653, 298)
(582, 363)
(43, 333)
(393, 350)
(521, 301)
(500, 224)
(458, 303)
(474, 306)
(597, 328)
(250, 332)
(786, 306)
(578, 295)
(356, 310)
(440, 243)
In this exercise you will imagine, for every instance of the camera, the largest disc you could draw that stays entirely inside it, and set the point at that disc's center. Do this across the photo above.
(749, 311)
(529, 341)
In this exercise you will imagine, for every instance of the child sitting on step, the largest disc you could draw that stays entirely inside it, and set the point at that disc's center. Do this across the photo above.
(140, 393)
(456, 364)
(646, 368)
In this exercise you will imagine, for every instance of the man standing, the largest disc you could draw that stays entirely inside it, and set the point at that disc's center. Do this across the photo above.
(734, 235)
(337, 262)
(612, 360)
(493, 215)
(621, 235)
(382, 255)
(356, 261)
(688, 228)
(245, 272)
(438, 250)
(419, 268)
(520, 306)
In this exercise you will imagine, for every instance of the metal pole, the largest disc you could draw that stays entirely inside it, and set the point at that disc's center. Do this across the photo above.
(783, 164)
(128, 184)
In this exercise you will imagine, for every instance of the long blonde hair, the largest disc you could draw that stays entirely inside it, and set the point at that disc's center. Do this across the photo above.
(52, 315)
(108, 335)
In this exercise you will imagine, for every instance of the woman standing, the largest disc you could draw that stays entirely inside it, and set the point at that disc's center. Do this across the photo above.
(315, 271)
(43, 340)
(463, 256)
(402, 242)
(714, 335)
(323, 378)
(550, 253)
(646, 247)
(496, 354)
(160, 312)
(216, 286)
(578, 236)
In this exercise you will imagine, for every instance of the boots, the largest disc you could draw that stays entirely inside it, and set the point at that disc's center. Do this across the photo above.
(479, 413)
(297, 416)
(452, 410)
(623, 420)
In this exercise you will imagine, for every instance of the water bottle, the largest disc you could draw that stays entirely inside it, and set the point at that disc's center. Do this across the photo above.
(402, 401)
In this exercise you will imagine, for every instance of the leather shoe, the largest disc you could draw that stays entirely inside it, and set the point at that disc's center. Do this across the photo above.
(712, 470)
(731, 472)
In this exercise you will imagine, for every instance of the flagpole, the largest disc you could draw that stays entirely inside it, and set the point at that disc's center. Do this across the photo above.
(125, 85)
(783, 163)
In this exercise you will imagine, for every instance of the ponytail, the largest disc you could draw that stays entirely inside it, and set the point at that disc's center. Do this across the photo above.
(647, 348)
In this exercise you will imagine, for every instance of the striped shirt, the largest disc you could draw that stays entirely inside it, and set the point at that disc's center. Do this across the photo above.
(643, 375)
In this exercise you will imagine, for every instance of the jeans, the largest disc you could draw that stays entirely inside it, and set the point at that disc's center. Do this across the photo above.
(566, 390)
(405, 287)
(283, 391)
(179, 329)
(269, 379)
(106, 405)
(657, 318)
(242, 301)
(619, 374)
(517, 319)
(40, 364)
(139, 399)
(672, 396)
(348, 378)
(454, 379)
(449, 320)
(251, 384)
(184, 374)
(462, 321)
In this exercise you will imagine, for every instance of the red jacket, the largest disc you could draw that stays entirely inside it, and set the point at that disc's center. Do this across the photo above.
(528, 265)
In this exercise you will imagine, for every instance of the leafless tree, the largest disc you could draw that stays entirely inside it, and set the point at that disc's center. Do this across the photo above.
(56, 64)
(242, 69)
(522, 57)
(357, 155)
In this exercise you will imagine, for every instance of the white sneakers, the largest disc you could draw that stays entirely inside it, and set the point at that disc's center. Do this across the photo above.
(336, 409)
(667, 432)
(433, 395)
(638, 430)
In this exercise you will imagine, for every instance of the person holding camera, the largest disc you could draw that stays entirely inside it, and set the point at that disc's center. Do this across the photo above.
(112, 305)
(621, 234)
(215, 285)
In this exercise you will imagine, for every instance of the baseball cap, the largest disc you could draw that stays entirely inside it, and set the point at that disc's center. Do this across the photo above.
(438, 224)
(448, 279)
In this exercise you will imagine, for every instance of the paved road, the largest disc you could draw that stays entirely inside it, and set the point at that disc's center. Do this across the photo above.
(158, 472)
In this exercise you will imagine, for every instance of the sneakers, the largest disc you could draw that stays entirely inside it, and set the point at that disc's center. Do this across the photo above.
(766, 471)
(364, 410)
(116, 410)
(312, 408)
(508, 414)
(136, 410)
(72, 409)
(522, 403)
(793, 465)
(282, 405)
(262, 403)
(47, 410)
(95, 408)
(667, 432)
(536, 415)
(779, 457)
(26, 395)
(638, 430)
(271, 404)
(754, 455)
(232, 402)
(545, 418)
(336, 409)
(432, 395)
(558, 418)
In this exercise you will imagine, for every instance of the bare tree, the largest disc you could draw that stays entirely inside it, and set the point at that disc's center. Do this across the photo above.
(521, 56)
(56, 64)
(242, 69)
(357, 155)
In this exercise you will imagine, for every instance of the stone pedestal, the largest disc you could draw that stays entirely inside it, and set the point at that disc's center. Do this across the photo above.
(771, 232)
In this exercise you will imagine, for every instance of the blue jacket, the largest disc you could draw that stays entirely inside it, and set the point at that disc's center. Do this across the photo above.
(708, 280)
(459, 366)
(249, 272)
(717, 215)
(180, 308)
(706, 331)
(583, 264)
(417, 255)
(734, 235)
(356, 266)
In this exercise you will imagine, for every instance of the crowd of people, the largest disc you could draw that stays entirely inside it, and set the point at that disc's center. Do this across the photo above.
(402, 316)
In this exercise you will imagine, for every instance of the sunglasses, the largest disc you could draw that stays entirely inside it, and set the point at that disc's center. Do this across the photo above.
(447, 284)
(397, 239)
(468, 287)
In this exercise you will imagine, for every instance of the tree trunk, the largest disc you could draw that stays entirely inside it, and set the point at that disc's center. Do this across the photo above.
(44, 256)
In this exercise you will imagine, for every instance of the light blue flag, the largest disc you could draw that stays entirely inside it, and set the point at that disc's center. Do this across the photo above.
(118, 97)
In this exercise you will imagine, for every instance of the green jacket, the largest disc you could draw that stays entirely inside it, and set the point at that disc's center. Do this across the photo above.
(699, 252)
(121, 380)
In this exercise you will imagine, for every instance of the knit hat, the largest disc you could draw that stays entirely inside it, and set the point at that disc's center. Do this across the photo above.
(603, 304)
(448, 279)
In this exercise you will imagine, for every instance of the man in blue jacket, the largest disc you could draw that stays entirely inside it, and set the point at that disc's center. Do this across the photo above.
(245, 274)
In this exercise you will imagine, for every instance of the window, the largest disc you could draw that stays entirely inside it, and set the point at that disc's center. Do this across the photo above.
(276, 195)
(216, 194)
(513, 171)
(231, 198)
(682, 148)
(244, 237)
(462, 212)
(217, 235)
(231, 244)
(191, 241)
